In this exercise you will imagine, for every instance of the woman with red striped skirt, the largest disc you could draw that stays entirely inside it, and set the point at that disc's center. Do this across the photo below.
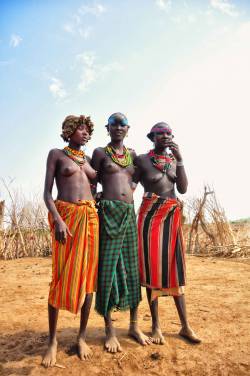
(161, 247)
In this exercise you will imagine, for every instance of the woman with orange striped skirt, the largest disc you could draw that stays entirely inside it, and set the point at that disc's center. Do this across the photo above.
(75, 232)
(161, 247)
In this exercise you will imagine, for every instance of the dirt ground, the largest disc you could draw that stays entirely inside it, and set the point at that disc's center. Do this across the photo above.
(217, 297)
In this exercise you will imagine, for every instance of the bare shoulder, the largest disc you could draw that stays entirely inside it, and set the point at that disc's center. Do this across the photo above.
(98, 157)
(98, 152)
(132, 153)
(88, 158)
(54, 153)
(140, 159)
(143, 156)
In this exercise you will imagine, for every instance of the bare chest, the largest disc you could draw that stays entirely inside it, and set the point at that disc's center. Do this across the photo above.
(152, 175)
(110, 167)
(68, 168)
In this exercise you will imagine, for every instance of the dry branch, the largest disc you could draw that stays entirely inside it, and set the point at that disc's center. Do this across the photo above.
(25, 231)
(210, 233)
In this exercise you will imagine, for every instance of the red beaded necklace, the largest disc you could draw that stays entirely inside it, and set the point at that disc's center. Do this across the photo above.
(161, 162)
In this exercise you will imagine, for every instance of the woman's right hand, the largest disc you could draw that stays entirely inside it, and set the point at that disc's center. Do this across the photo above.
(61, 231)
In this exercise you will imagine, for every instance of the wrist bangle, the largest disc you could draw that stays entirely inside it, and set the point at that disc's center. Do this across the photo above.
(179, 164)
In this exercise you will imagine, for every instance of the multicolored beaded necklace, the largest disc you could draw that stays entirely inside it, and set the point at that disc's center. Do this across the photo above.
(161, 162)
(77, 156)
(123, 160)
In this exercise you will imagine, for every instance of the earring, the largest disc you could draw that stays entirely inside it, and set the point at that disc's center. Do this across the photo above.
(108, 133)
(126, 135)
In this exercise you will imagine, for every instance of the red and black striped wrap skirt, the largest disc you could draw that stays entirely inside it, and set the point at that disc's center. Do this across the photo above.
(161, 246)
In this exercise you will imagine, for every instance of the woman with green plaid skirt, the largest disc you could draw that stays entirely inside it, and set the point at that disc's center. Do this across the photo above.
(118, 274)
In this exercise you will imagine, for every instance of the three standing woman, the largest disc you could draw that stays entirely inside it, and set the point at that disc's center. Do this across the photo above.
(74, 224)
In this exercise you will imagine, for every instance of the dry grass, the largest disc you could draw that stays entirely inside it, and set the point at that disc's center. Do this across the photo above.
(34, 243)
(210, 233)
(24, 228)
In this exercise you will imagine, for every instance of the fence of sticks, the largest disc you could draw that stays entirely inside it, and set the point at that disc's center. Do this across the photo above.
(24, 228)
(210, 233)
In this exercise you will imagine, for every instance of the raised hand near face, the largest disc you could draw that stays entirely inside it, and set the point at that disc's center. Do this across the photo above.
(175, 150)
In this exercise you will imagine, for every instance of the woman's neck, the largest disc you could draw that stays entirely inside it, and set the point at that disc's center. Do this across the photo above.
(74, 146)
(160, 151)
(117, 145)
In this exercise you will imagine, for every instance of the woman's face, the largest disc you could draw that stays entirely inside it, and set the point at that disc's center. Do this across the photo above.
(162, 137)
(117, 131)
(81, 135)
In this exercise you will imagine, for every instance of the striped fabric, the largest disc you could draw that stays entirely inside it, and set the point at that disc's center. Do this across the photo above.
(161, 247)
(118, 275)
(75, 263)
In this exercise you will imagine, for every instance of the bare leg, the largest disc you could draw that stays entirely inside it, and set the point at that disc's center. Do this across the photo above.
(186, 330)
(83, 349)
(134, 330)
(157, 336)
(111, 342)
(49, 359)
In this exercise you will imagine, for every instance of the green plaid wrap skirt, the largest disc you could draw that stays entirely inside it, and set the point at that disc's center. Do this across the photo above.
(118, 271)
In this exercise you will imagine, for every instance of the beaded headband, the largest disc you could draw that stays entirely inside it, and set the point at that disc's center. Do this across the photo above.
(160, 130)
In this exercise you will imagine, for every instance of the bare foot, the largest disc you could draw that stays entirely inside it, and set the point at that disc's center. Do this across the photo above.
(111, 342)
(84, 351)
(137, 334)
(190, 335)
(157, 336)
(49, 359)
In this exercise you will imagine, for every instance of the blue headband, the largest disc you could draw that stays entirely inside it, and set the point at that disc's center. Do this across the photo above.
(114, 119)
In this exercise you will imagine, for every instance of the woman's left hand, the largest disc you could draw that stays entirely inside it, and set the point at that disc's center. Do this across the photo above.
(175, 151)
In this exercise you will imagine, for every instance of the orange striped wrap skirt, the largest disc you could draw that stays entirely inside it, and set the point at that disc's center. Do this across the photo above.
(75, 263)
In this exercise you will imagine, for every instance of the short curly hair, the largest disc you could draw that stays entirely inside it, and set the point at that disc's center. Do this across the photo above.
(72, 122)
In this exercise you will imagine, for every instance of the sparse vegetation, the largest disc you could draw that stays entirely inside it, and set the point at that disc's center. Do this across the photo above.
(210, 233)
(24, 227)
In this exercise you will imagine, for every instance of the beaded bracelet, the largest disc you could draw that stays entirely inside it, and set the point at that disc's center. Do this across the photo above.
(180, 164)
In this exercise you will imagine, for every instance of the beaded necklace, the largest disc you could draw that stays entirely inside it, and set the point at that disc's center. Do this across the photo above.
(77, 156)
(161, 162)
(123, 160)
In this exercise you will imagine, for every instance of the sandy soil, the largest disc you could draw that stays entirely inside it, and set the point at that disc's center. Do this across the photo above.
(218, 304)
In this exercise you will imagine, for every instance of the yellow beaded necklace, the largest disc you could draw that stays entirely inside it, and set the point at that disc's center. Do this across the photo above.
(123, 160)
(77, 156)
